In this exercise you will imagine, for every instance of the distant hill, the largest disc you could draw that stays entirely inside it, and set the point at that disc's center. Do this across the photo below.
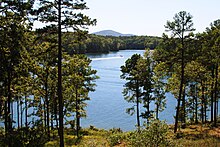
(111, 33)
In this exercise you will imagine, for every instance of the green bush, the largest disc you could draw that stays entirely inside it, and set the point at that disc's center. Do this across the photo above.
(115, 136)
(115, 139)
(24, 137)
(154, 135)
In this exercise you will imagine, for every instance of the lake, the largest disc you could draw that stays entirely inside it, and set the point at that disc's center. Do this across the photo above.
(107, 107)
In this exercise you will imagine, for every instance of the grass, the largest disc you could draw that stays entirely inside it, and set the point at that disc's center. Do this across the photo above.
(191, 136)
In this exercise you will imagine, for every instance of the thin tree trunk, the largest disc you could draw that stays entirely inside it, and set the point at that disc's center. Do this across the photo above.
(26, 112)
(157, 111)
(196, 107)
(215, 98)
(181, 86)
(9, 103)
(55, 113)
(45, 115)
(203, 98)
(47, 104)
(12, 113)
(18, 115)
(21, 112)
(184, 106)
(148, 109)
(60, 98)
(212, 93)
(77, 114)
(9, 120)
(51, 121)
(137, 103)
(6, 116)
(205, 106)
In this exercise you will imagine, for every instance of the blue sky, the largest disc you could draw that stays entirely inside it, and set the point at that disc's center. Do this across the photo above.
(148, 17)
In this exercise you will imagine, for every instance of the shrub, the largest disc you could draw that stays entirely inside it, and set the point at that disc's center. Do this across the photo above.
(115, 139)
(115, 136)
(154, 135)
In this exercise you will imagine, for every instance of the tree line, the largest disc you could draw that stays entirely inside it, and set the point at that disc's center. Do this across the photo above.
(103, 44)
(185, 64)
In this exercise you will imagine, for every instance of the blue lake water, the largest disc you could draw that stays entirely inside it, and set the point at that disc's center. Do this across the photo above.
(107, 107)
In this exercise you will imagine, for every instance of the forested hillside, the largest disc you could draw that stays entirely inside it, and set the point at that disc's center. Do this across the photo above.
(103, 44)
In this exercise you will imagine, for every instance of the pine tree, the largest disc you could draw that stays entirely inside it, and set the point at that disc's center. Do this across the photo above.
(179, 27)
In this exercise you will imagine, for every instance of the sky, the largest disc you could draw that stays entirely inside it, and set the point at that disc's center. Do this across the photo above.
(148, 17)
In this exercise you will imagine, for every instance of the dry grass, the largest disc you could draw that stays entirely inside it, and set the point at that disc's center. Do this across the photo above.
(191, 136)
(198, 136)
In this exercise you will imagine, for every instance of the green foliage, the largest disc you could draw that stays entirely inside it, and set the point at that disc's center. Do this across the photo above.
(115, 136)
(154, 135)
(25, 137)
(103, 44)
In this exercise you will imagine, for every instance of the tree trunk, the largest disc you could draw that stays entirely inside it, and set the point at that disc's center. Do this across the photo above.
(215, 98)
(77, 114)
(18, 115)
(21, 113)
(9, 103)
(178, 107)
(55, 112)
(26, 112)
(157, 111)
(203, 104)
(148, 109)
(212, 93)
(184, 106)
(8, 112)
(51, 121)
(137, 103)
(196, 107)
(6, 116)
(180, 89)
(45, 116)
(60, 98)
(47, 104)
